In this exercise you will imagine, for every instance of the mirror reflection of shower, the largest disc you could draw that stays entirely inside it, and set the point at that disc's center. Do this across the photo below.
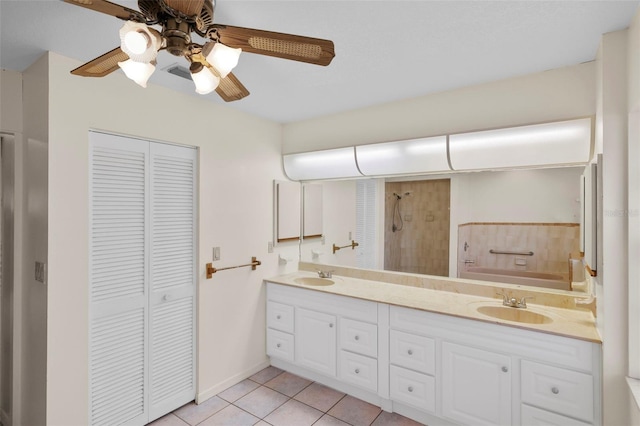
(396, 212)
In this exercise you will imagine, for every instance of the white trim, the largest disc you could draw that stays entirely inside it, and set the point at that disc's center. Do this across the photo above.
(214, 390)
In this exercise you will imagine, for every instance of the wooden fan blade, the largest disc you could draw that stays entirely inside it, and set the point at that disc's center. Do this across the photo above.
(188, 7)
(230, 89)
(104, 6)
(298, 48)
(102, 65)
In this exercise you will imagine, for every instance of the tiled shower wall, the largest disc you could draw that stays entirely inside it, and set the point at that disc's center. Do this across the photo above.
(422, 245)
(551, 244)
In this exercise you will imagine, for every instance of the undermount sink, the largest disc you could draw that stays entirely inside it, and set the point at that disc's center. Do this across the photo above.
(314, 281)
(514, 314)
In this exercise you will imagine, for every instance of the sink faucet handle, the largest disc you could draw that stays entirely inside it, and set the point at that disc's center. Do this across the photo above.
(523, 301)
(325, 274)
(505, 298)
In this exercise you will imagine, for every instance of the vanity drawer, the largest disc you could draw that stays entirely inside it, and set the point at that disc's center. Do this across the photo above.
(359, 370)
(531, 416)
(412, 351)
(280, 345)
(280, 316)
(359, 337)
(412, 388)
(556, 389)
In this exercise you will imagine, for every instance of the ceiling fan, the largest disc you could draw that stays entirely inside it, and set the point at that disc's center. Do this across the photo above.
(210, 63)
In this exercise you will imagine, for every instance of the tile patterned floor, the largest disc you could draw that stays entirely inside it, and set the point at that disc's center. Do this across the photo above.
(278, 398)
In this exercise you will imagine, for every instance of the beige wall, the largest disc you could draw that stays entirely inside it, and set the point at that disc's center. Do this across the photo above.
(547, 96)
(34, 294)
(11, 104)
(612, 279)
(239, 158)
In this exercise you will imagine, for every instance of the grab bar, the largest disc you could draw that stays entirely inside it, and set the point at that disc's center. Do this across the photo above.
(519, 253)
(211, 270)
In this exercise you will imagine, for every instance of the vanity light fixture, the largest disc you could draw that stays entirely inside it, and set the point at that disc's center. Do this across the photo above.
(414, 156)
(549, 144)
(327, 164)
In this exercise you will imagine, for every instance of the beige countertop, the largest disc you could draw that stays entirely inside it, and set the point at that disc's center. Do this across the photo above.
(574, 323)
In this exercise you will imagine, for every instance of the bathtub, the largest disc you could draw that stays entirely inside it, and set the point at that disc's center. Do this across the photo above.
(537, 279)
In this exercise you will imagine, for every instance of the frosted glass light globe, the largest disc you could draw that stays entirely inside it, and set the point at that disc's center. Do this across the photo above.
(137, 41)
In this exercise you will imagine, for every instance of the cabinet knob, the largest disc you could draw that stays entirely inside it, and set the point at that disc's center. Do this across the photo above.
(357, 371)
(330, 325)
(410, 389)
(410, 352)
(357, 337)
(505, 369)
(278, 317)
(278, 345)
(555, 390)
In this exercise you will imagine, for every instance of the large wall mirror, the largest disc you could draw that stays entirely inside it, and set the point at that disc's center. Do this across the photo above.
(525, 222)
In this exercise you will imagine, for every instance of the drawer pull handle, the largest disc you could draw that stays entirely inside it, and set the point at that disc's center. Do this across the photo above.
(505, 369)
(410, 352)
(330, 325)
(357, 371)
(555, 390)
(410, 389)
(278, 345)
(278, 317)
(357, 337)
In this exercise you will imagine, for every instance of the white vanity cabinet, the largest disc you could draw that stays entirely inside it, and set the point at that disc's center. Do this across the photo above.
(476, 385)
(316, 340)
(434, 368)
(333, 337)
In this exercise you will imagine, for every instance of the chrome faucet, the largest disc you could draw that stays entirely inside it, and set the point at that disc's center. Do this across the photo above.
(513, 302)
(325, 274)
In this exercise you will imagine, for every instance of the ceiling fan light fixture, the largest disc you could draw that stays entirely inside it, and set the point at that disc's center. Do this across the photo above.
(140, 42)
(138, 71)
(223, 58)
(204, 80)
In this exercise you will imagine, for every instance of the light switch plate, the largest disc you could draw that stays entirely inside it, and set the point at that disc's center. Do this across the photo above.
(40, 272)
(216, 253)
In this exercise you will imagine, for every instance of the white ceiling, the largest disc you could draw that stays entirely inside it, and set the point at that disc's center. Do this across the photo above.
(385, 50)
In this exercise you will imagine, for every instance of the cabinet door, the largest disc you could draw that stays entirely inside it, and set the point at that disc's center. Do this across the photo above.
(315, 341)
(476, 386)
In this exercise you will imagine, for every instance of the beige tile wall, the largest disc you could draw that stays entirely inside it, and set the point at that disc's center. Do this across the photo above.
(551, 244)
(422, 246)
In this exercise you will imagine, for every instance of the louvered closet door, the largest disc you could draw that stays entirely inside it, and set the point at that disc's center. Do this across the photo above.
(118, 280)
(173, 254)
(142, 280)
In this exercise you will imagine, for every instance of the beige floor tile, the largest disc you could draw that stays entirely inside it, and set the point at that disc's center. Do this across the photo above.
(319, 396)
(288, 384)
(231, 416)
(393, 419)
(355, 411)
(239, 390)
(168, 420)
(193, 413)
(261, 401)
(327, 420)
(263, 376)
(293, 413)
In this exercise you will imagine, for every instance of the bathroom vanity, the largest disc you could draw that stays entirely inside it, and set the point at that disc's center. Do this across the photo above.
(438, 357)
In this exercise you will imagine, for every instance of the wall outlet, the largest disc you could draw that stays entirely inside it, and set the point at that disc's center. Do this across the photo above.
(349, 236)
(270, 247)
(40, 272)
(521, 261)
(216, 253)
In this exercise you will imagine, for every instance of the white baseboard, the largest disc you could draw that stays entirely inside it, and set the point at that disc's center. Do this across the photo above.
(237, 378)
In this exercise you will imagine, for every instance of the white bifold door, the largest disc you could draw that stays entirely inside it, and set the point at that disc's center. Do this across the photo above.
(141, 280)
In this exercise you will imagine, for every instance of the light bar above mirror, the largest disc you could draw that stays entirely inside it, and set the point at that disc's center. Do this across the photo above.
(549, 144)
(414, 156)
(327, 164)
